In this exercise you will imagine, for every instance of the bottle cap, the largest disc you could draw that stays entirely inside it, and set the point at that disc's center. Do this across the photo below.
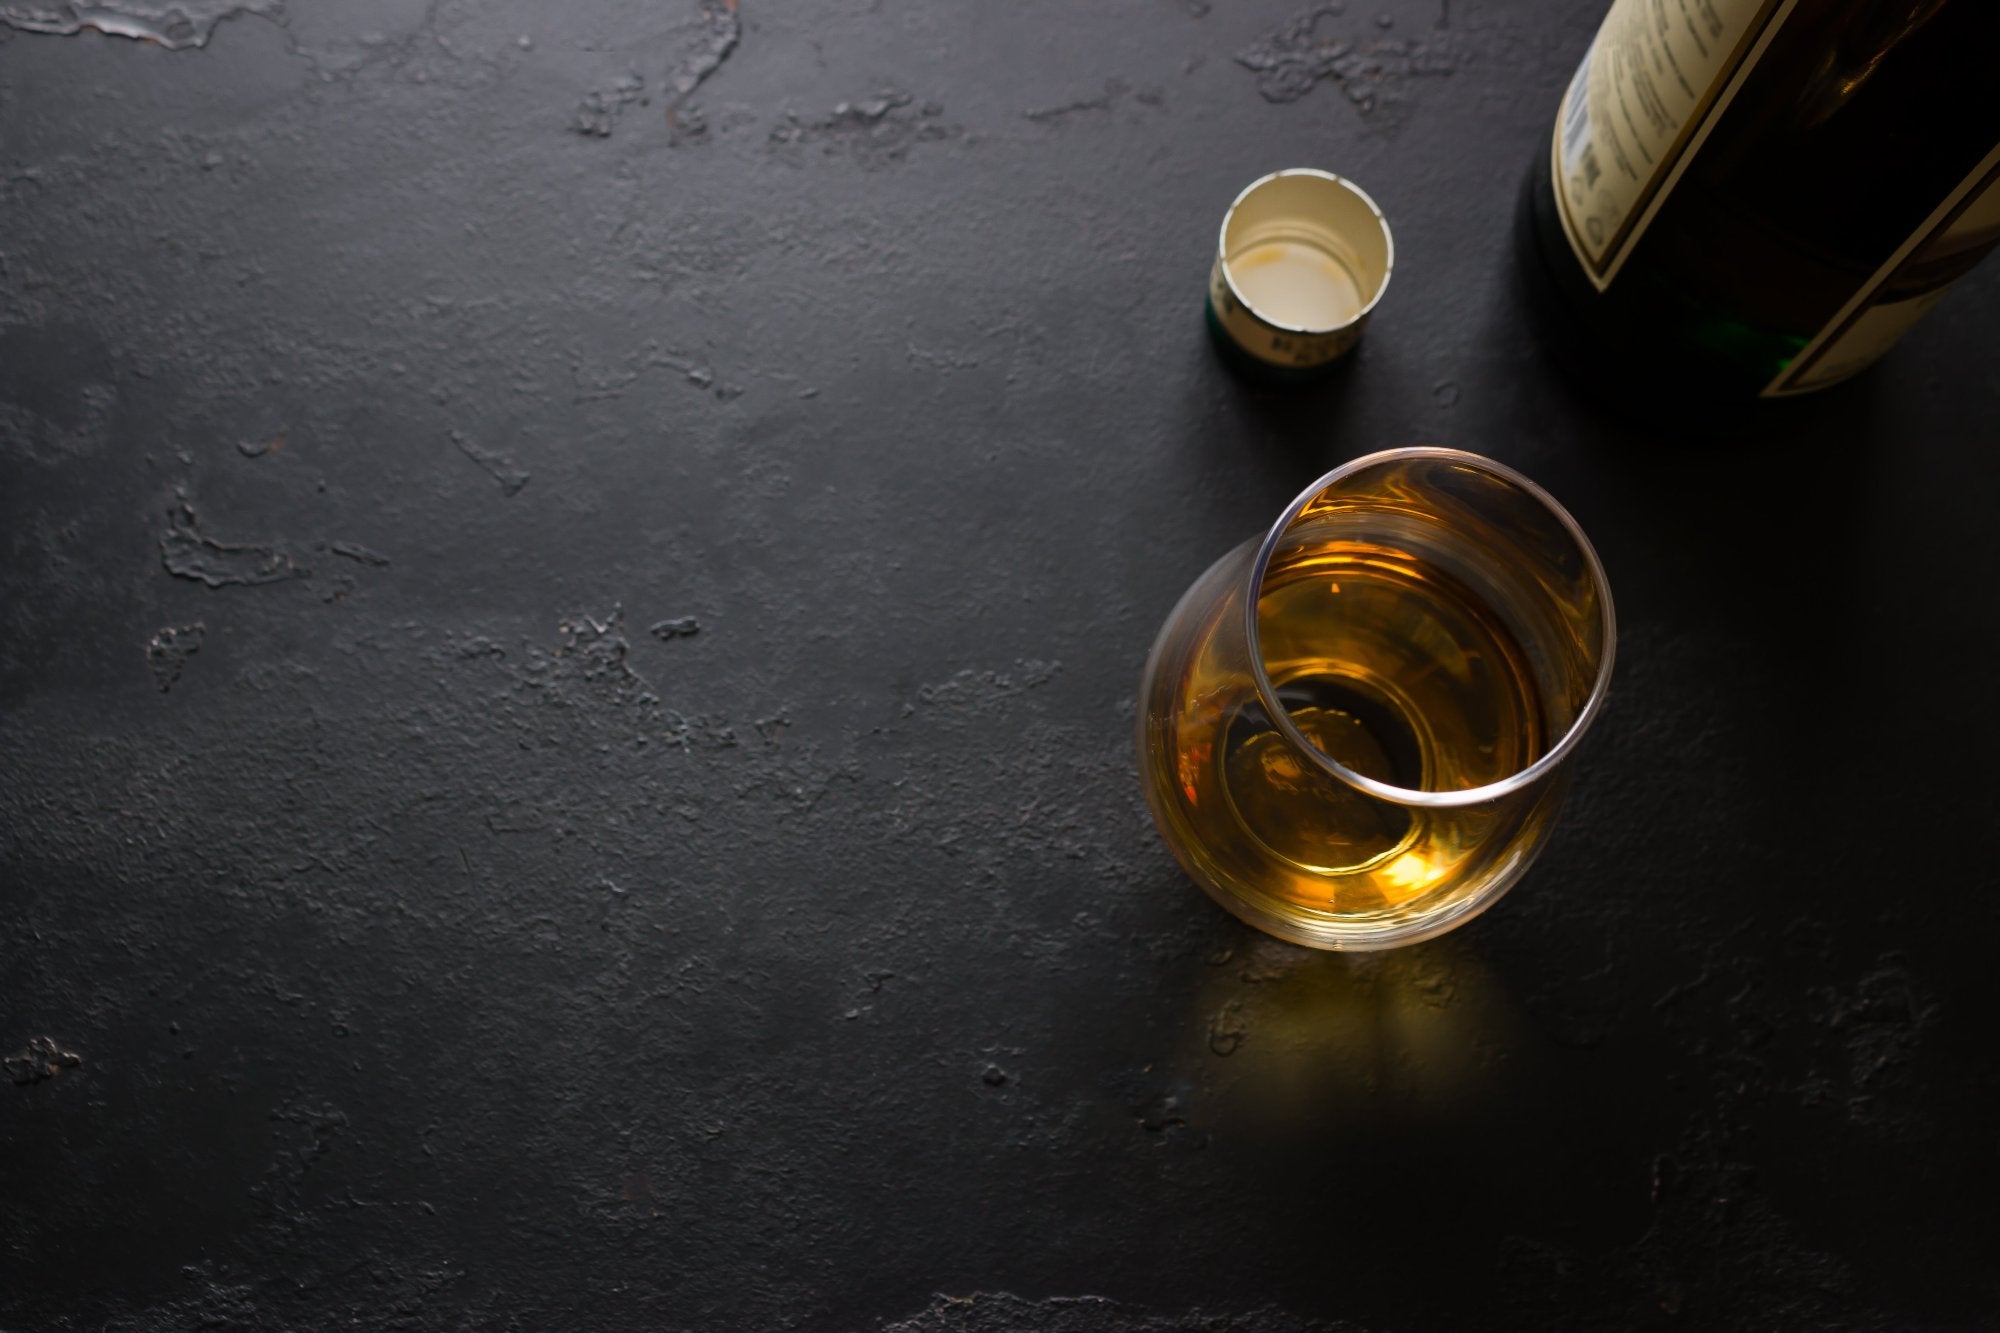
(1303, 258)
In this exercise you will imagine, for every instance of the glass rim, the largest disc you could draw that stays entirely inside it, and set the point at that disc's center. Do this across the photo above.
(1464, 796)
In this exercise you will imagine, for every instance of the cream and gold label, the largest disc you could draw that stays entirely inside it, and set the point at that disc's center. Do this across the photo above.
(1654, 83)
(1648, 91)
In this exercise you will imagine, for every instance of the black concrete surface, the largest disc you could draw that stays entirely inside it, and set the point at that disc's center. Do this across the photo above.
(574, 582)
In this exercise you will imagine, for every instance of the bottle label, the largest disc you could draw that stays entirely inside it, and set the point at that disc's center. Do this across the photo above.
(1650, 88)
(1895, 297)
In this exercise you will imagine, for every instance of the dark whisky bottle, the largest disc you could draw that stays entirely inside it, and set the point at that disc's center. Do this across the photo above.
(1759, 197)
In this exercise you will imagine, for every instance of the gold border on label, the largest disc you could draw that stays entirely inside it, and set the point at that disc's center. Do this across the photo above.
(1982, 177)
(1694, 132)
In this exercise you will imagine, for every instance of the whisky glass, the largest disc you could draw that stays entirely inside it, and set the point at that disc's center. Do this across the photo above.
(1356, 731)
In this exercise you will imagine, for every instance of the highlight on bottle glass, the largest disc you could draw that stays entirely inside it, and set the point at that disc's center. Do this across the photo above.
(1356, 731)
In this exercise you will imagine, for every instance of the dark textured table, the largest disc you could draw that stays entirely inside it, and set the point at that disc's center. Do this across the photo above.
(574, 583)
